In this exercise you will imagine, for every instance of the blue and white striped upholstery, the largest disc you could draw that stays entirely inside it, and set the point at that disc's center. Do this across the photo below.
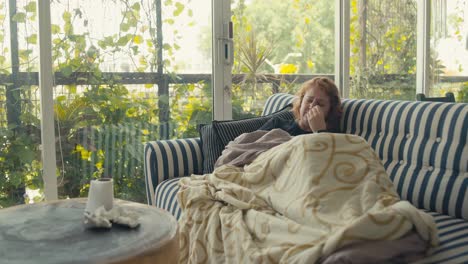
(166, 196)
(423, 146)
(453, 235)
(168, 159)
(277, 102)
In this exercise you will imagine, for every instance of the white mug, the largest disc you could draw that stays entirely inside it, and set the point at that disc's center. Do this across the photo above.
(101, 193)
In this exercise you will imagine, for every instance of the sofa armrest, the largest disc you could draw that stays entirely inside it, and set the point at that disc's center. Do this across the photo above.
(168, 159)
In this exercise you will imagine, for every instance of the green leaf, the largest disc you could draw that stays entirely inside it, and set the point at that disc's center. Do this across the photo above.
(16, 178)
(166, 46)
(33, 17)
(136, 6)
(108, 41)
(179, 8)
(55, 29)
(66, 71)
(134, 50)
(133, 22)
(26, 154)
(71, 89)
(78, 12)
(149, 44)
(191, 87)
(61, 98)
(32, 39)
(19, 17)
(24, 54)
(68, 28)
(138, 39)
(169, 21)
(101, 44)
(123, 40)
(66, 16)
(124, 27)
(143, 61)
(31, 7)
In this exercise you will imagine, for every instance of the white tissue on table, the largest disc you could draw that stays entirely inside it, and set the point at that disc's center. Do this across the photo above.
(104, 219)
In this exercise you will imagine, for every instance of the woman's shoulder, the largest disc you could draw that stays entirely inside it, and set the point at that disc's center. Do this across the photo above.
(277, 122)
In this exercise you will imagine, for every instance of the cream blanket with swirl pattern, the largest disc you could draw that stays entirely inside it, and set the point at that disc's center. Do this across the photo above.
(295, 203)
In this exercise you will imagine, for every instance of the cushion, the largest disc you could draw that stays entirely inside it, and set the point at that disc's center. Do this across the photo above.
(229, 130)
(211, 147)
(214, 137)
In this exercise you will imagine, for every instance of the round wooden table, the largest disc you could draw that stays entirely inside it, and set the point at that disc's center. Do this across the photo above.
(53, 232)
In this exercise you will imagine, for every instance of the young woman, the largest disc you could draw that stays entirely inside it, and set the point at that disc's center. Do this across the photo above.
(317, 108)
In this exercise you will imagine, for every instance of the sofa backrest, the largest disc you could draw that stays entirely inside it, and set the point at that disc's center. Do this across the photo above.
(422, 145)
(277, 102)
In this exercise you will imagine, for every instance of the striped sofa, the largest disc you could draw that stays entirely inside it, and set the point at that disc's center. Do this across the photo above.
(423, 146)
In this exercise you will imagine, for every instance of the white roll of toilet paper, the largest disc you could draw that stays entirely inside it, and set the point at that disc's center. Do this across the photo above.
(101, 193)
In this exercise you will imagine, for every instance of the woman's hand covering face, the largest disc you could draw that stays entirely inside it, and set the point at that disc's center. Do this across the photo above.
(316, 119)
(315, 106)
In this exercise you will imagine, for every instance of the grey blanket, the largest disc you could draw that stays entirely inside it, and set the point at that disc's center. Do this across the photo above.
(246, 147)
(404, 250)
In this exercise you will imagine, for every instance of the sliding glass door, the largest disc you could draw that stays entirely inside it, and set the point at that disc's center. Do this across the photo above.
(124, 73)
(278, 46)
(130, 72)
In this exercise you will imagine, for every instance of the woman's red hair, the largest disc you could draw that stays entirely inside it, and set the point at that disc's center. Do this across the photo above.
(329, 88)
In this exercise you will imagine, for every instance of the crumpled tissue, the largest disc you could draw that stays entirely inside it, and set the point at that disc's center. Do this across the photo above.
(101, 218)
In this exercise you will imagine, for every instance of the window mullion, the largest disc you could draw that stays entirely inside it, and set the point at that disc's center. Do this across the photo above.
(423, 46)
(342, 22)
(47, 102)
(222, 60)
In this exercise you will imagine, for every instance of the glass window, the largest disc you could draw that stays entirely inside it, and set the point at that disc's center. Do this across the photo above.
(144, 81)
(20, 130)
(449, 49)
(383, 49)
(126, 72)
(278, 45)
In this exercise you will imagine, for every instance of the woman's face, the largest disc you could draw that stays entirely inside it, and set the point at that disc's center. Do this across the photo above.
(315, 97)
